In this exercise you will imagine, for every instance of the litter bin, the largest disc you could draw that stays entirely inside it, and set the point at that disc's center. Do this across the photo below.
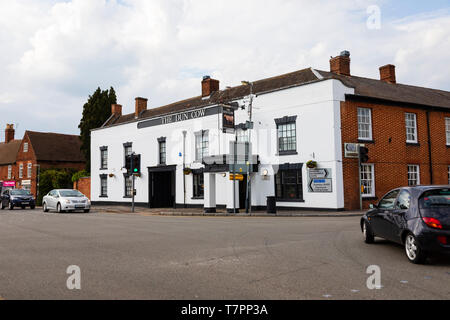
(271, 205)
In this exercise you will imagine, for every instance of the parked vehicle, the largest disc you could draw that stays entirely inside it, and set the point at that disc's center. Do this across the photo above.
(11, 198)
(416, 217)
(63, 200)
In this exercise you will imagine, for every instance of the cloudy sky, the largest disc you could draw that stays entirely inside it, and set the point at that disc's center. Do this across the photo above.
(54, 54)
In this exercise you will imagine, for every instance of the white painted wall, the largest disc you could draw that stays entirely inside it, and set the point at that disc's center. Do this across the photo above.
(317, 107)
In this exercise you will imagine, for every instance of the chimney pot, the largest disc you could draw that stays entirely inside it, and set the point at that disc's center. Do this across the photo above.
(341, 64)
(387, 73)
(116, 109)
(9, 133)
(209, 86)
(141, 105)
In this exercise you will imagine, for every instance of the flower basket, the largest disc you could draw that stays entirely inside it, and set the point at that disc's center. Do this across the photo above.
(187, 171)
(111, 175)
(311, 164)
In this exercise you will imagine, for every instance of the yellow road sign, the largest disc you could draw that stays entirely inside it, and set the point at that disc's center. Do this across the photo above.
(239, 177)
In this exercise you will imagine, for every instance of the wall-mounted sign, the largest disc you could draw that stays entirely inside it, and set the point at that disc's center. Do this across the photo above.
(227, 118)
(351, 150)
(9, 184)
(26, 182)
(320, 180)
(177, 117)
(321, 185)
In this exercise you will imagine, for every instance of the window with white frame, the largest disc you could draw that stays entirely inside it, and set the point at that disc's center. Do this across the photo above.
(367, 180)
(9, 171)
(29, 167)
(447, 130)
(201, 144)
(448, 174)
(364, 124)
(162, 150)
(413, 175)
(21, 170)
(25, 147)
(411, 127)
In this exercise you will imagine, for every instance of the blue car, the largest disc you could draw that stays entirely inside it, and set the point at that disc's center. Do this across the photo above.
(17, 198)
(416, 217)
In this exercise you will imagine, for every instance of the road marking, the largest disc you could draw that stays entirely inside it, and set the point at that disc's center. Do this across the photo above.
(327, 296)
(355, 291)
(404, 281)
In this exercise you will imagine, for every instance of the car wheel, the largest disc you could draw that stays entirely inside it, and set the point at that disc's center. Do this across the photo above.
(413, 250)
(32, 207)
(44, 207)
(367, 233)
(2, 206)
(10, 206)
(23, 207)
(58, 208)
(86, 211)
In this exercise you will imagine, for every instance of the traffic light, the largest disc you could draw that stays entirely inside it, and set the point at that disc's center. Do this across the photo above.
(363, 154)
(133, 163)
(136, 163)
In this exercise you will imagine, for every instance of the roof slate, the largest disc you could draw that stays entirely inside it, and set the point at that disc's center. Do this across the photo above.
(50, 146)
(363, 87)
(8, 151)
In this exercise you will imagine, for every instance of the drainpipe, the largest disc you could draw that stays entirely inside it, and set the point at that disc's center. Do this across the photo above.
(429, 147)
(184, 166)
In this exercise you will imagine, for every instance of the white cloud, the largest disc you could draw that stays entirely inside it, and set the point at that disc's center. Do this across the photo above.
(54, 54)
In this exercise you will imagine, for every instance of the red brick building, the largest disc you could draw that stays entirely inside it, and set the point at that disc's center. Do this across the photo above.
(405, 128)
(22, 160)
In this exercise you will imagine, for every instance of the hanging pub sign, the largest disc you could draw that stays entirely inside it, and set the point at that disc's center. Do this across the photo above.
(227, 118)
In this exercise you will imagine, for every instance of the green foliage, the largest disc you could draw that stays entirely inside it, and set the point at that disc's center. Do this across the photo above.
(80, 174)
(54, 179)
(95, 112)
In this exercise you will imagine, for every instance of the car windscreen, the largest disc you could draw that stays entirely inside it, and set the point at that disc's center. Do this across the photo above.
(70, 193)
(20, 193)
(435, 198)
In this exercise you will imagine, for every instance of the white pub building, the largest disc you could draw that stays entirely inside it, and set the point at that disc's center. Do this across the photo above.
(186, 147)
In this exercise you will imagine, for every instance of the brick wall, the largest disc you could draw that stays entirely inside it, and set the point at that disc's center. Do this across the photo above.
(84, 186)
(389, 152)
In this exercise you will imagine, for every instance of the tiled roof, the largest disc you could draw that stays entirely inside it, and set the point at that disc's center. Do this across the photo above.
(8, 151)
(363, 87)
(395, 92)
(49, 146)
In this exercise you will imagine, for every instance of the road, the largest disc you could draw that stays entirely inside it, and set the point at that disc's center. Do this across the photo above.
(125, 256)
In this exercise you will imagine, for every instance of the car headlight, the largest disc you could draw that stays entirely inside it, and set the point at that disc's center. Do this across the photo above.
(67, 201)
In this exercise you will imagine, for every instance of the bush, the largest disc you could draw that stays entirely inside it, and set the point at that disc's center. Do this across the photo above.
(80, 174)
(54, 179)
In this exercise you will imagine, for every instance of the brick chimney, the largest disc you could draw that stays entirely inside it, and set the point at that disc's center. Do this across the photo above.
(387, 73)
(209, 86)
(116, 109)
(141, 105)
(341, 64)
(9, 133)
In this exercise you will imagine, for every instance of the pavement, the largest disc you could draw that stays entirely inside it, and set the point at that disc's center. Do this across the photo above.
(222, 212)
(138, 256)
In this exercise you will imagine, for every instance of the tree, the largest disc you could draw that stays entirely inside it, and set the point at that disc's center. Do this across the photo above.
(95, 112)
(54, 179)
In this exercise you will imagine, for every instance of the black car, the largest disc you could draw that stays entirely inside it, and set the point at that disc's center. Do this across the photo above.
(17, 198)
(416, 217)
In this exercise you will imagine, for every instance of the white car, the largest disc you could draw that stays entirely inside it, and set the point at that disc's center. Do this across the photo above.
(63, 200)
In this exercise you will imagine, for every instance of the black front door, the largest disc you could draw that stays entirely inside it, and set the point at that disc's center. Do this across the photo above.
(242, 192)
(161, 189)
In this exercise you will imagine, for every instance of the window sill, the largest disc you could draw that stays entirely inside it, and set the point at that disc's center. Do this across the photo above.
(127, 197)
(287, 153)
(288, 200)
(198, 198)
(369, 198)
(103, 196)
(413, 144)
(371, 141)
(103, 169)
